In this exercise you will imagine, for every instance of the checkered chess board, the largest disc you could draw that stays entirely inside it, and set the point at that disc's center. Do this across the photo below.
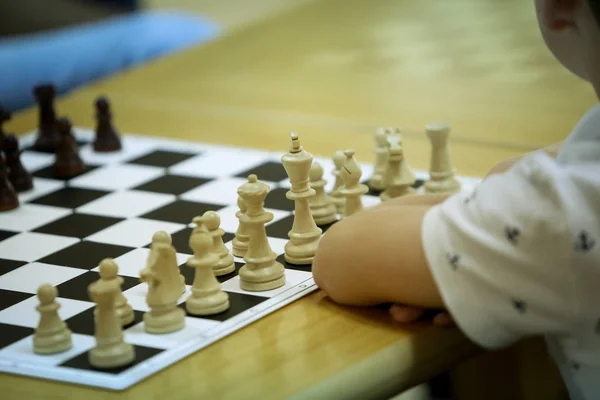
(63, 229)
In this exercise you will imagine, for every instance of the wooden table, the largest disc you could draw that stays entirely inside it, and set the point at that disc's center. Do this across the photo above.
(333, 71)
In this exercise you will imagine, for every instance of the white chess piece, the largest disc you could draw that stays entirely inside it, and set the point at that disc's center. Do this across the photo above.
(442, 174)
(240, 242)
(164, 287)
(111, 350)
(336, 196)
(377, 181)
(51, 335)
(206, 298)
(109, 271)
(321, 206)
(353, 189)
(305, 234)
(399, 178)
(261, 271)
(212, 222)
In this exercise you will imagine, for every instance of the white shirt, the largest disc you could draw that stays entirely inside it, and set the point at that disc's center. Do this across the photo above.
(520, 256)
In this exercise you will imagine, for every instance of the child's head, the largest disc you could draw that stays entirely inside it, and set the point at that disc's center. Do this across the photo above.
(571, 29)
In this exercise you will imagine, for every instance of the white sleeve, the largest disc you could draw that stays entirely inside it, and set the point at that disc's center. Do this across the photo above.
(500, 256)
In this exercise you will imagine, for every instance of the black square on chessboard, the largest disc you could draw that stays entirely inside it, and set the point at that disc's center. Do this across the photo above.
(78, 225)
(161, 158)
(238, 303)
(9, 265)
(77, 288)
(181, 211)
(83, 323)
(85, 254)
(9, 298)
(6, 234)
(142, 353)
(70, 197)
(172, 184)
(280, 229)
(269, 171)
(276, 200)
(188, 273)
(12, 333)
(48, 173)
(281, 259)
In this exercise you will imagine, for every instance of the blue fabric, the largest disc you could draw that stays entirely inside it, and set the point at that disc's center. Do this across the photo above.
(73, 56)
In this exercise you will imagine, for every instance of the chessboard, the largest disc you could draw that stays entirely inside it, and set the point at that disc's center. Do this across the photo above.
(63, 227)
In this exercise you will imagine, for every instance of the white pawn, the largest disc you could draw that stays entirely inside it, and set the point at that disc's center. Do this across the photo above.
(377, 181)
(240, 242)
(353, 189)
(164, 287)
(51, 335)
(322, 208)
(338, 199)
(158, 239)
(111, 350)
(212, 221)
(207, 298)
(442, 179)
(108, 272)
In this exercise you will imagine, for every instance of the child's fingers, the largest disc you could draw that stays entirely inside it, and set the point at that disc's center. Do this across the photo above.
(405, 313)
(443, 319)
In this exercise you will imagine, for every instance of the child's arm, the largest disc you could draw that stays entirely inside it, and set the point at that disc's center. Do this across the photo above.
(376, 257)
(497, 263)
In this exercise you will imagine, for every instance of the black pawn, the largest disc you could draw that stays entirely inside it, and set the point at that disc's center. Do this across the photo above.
(17, 175)
(67, 163)
(107, 137)
(48, 136)
(8, 196)
(4, 116)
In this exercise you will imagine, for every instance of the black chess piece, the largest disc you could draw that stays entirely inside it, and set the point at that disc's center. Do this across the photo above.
(107, 137)
(48, 136)
(4, 116)
(67, 163)
(8, 195)
(17, 175)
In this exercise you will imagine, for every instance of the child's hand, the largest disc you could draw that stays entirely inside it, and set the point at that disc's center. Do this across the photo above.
(406, 314)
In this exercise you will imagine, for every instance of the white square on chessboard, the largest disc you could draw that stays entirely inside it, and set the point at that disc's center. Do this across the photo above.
(130, 264)
(194, 329)
(30, 216)
(133, 232)
(31, 246)
(370, 201)
(230, 223)
(41, 187)
(130, 150)
(22, 351)
(220, 163)
(292, 278)
(34, 161)
(136, 296)
(126, 204)
(29, 277)
(220, 191)
(117, 177)
(25, 313)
